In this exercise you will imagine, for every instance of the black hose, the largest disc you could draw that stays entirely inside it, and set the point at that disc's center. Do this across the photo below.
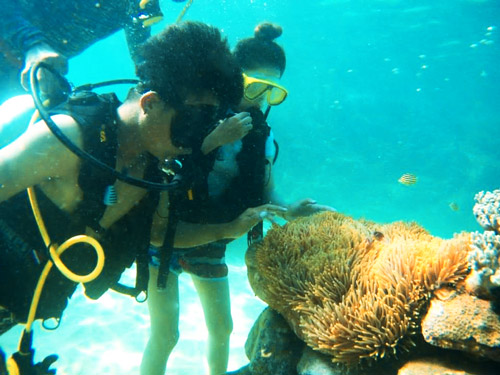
(44, 114)
(92, 86)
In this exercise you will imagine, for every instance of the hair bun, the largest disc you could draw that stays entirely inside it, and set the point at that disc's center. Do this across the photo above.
(267, 31)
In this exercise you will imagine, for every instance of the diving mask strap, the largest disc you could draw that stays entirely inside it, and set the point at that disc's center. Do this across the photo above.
(266, 113)
(183, 11)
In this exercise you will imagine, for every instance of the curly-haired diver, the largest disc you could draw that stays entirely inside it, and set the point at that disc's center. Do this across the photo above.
(164, 116)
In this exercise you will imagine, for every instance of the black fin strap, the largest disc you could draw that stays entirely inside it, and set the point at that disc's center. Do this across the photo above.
(277, 151)
(268, 109)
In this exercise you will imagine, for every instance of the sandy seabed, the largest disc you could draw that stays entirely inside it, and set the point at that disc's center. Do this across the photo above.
(108, 336)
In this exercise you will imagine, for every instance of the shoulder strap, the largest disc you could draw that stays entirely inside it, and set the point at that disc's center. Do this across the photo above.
(96, 115)
(276, 145)
(126, 241)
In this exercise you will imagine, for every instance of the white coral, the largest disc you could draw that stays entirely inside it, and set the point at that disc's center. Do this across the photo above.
(487, 210)
(484, 260)
(484, 256)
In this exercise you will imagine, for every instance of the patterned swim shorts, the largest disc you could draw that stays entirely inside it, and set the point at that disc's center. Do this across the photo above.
(205, 262)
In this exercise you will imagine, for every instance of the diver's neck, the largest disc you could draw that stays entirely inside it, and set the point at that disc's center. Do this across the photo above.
(130, 145)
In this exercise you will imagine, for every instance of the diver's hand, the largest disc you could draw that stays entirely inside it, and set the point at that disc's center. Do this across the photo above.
(227, 131)
(305, 207)
(42, 368)
(43, 52)
(251, 216)
(22, 364)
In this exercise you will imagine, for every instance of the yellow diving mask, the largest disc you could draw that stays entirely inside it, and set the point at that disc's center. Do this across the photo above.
(256, 87)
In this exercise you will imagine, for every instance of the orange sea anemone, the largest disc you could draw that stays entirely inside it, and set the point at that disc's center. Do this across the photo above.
(354, 289)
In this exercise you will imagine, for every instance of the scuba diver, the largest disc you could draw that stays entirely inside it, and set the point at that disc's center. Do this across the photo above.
(236, 159)
(52, 32)
(187, 73)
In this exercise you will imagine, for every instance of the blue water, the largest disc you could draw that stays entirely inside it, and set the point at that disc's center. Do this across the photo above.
(376, 89)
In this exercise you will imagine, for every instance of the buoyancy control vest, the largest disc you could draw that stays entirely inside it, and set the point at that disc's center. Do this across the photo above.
(244, 190)
(125, 241)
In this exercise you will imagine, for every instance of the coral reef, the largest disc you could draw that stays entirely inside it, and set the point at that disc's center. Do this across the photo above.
(467, 319)
(353, 289)
(487, 210)
(272, 347)
(313, 363)
(485, 250)
(434, 366)
(463, 322)
(484, 260)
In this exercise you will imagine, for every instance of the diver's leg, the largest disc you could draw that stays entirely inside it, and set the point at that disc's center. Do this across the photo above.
(215, 300)
(164, 314)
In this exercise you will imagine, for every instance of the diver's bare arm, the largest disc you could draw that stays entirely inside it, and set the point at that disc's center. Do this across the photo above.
(189, 235)
(37, 156)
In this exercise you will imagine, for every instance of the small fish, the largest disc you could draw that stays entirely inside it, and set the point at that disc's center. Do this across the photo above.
(379, 236)
(454, 206)
(408, 179)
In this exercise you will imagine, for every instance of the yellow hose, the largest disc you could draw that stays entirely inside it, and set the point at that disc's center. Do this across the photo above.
(55, 253)
(183, 11)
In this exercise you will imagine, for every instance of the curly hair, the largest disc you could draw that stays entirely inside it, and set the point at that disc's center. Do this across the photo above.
(261, 50)
(187, 58)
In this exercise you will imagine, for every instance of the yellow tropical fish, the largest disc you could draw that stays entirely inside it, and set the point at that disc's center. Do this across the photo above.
(454, 206)
(408, 179)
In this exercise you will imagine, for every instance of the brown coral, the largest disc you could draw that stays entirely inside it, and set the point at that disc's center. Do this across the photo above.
(463, 322)
(354, 289)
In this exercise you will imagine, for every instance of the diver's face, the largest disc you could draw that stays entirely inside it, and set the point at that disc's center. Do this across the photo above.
(155, 118)
(267, 73)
